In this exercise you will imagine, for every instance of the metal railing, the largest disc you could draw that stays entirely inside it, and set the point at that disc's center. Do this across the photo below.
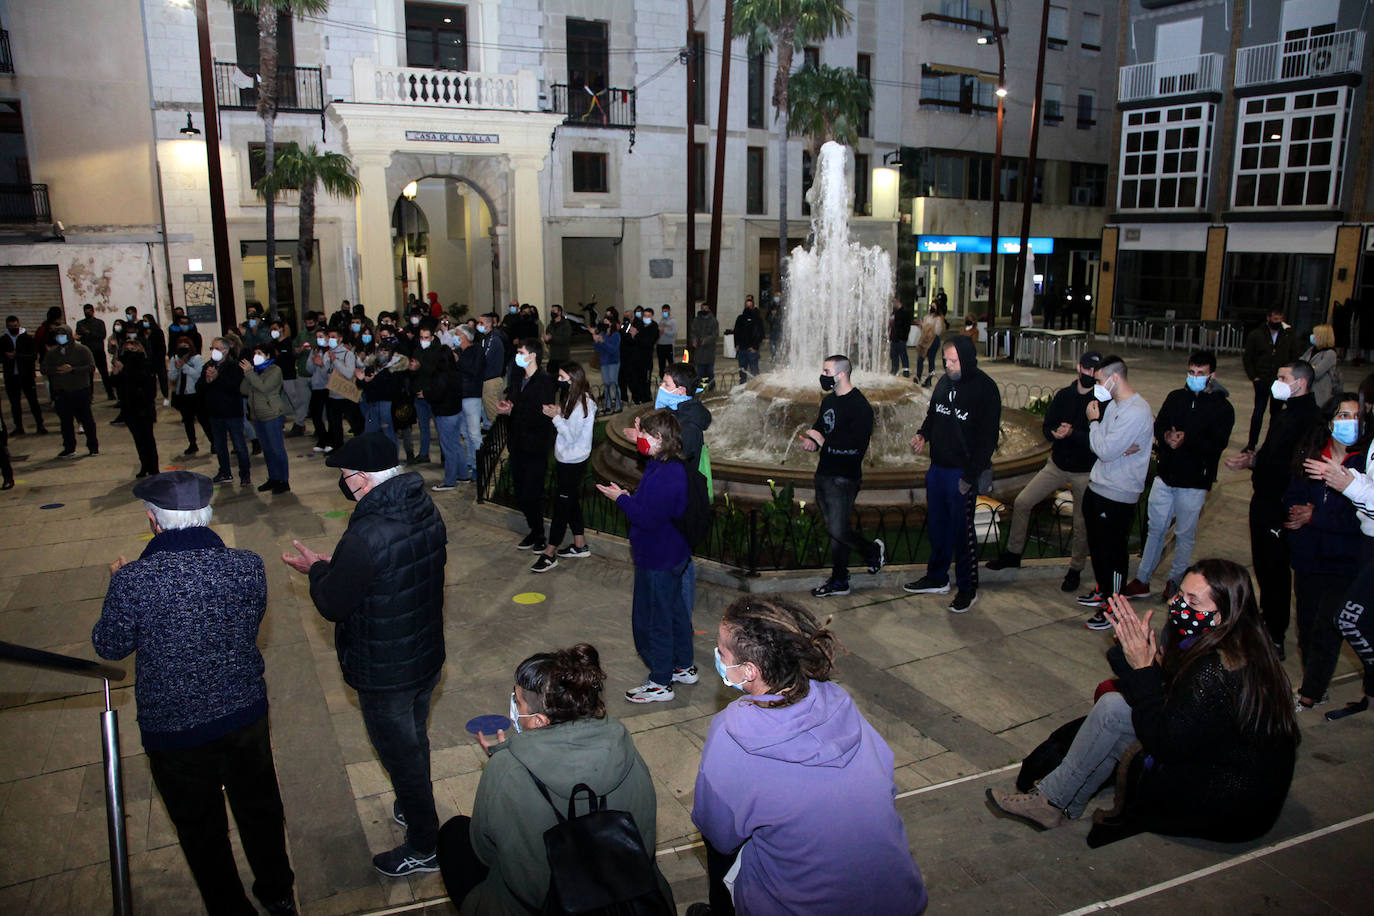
(298, 88)
(1179, 76)
(24, 203)
(109, 736)
(6, 61)
(444, 88)
(610, 107)
(1300, 58)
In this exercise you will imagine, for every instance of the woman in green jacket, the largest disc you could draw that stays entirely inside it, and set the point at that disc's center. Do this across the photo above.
(267, 410)
(495, 861)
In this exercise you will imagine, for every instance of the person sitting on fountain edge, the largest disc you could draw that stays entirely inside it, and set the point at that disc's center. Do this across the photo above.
(841, 434)
(961, 426)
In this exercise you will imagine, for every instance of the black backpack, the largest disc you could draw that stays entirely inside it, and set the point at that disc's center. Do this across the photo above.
(695, 522)
(597, 861)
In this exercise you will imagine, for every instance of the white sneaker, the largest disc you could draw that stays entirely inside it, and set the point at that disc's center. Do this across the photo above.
(686, 675)
(649, 692)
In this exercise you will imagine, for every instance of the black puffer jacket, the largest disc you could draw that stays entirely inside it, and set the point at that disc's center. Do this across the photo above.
(384, 589)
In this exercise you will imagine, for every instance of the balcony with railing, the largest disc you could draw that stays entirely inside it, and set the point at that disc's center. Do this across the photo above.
(299, 89)
(1161, 78)
(24, 203)
(610, 107)
(1310, 57)
(444, 89)
(6, 61)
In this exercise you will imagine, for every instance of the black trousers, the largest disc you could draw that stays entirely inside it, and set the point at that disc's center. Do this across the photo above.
(627, 371)
(527, 472)
(458, 863)
(334, 415)
(1356, 624)
(192, 410)
(1109, 530)
(6, 469)
(75, 407)
(318, 398)
(102, 366)
(665, 357)
(717, 865)
(22, 386)
(1269, 555)
(567, 500)
(193, 784)
(141, 428)
(1257, 415)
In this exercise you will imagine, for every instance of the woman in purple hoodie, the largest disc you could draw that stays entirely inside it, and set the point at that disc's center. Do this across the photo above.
(795, 786)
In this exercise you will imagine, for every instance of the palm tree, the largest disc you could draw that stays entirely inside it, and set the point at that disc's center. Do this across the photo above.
(267, 12)
(786, 25)
(304, 170)
(827, 103)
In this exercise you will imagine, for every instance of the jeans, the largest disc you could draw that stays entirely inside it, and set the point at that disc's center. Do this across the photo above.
(75, 407)
(835, 496)
(1106, 734)
(1044, 484)
(1182, 506)
(661, 625)
(610, 383)
(450, 428)
(748, 364)
(706, 373)
(397, 725)
(272, 436)
(1269, 559)
(193, 783)
(949, 524)
(1317, 600)
(226, 429)
(567, 500)
(897, 354)
(665, 357)
(377, 417)
(423, 414)
(528, 471)
(472, 434)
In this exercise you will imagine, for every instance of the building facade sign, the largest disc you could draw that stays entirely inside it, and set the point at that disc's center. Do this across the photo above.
(980, 244)
(442, 136)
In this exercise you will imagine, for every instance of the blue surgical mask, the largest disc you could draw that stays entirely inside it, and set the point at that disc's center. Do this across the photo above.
(1312, 339)
(1196, 383)
(667, 399)
(333, 343)
(252, 322)
(512, 310)
(367, 338)
(62, 339)
(522, 360)
(648, 319)
(355, 327)
(515, 716)
(482, 329)
(1345, 431)
(721, 668)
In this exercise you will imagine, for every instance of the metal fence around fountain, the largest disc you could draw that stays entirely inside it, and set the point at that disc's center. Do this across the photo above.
(787, 534)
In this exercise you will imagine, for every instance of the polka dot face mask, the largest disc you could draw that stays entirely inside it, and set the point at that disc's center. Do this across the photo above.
(1189, 621)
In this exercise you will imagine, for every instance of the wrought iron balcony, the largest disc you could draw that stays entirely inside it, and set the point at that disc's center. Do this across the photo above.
(298, 88)
(1160, 78)
(24, 203)
(6, 61)
(609, 107)
(1300, 58)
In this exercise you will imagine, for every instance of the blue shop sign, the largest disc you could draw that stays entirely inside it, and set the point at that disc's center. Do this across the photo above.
(978, 244)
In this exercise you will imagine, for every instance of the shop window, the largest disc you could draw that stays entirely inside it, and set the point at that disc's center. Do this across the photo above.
(1166, 157)
(590, 173)
(436, 36)
(755, 178)
(1150, 283)
(1290, 150)
(757, 69)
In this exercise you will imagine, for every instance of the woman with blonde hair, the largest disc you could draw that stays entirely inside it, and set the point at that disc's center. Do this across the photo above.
(1326, 375)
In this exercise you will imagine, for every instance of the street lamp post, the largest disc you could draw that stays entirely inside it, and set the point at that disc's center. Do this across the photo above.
(993, 291)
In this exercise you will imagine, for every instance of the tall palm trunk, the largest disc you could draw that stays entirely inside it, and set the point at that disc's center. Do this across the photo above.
(784, 46)
(267, 110)
(305, 240)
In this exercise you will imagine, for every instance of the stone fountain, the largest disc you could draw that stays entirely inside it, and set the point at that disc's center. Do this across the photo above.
(838, 295)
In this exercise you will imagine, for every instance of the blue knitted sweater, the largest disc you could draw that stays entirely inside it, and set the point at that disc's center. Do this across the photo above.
(191, 608)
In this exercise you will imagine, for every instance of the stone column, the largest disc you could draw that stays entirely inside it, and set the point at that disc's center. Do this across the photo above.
(376, 273)
(527, 232)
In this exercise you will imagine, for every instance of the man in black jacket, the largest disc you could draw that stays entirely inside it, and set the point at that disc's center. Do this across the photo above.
(1071, 459)
(19, 351)
(1295, 410)
(1191, 432)
(530, 438)
(962, 426)
(644, 340)
(748, 339)
(1267, 347)
(898, 327)
(219, 385)
(383, 588)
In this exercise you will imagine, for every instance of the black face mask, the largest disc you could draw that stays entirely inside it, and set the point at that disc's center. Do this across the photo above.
(183, 353)
(1276, 325)
(1087, 381)
(827, 383)
(343, 488)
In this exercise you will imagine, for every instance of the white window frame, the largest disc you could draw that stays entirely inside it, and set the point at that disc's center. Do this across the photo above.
(1276, 115)
(1159, 123)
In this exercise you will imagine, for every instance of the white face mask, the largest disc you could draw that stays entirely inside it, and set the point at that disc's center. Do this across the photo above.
(276, 334)
(217, 355)
(1281, 390)
(259, 359)
(425, 344)
(1101, 393)
(414, 319)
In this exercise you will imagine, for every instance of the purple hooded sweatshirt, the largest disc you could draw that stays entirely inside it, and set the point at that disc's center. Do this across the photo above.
(810, 787)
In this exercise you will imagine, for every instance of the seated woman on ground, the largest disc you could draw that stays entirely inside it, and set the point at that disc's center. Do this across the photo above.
(794, 796)
(495, 861)
(1211, 715)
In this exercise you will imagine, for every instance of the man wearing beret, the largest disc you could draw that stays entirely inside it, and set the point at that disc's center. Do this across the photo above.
(383, 588)
(191, 607)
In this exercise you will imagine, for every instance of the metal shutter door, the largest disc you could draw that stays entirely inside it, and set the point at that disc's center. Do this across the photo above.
(29, 292)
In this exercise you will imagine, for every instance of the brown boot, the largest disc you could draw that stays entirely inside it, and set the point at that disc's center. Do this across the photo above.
(1032, 808)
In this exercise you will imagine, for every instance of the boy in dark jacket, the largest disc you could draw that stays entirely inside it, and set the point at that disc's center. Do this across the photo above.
(531, 437)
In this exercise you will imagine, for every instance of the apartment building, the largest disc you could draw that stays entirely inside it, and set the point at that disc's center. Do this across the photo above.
(1241, 161)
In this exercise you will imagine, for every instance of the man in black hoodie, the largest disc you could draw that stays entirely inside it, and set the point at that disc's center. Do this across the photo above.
(961, 426)
(1295, 410)
(1191, 432)
(531, 437)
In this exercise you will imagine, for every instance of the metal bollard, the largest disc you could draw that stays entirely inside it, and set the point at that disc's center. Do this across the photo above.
(114, 810)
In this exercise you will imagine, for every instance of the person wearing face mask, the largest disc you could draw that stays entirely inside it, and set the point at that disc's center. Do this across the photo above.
(1201, 729)
(1324, 544)
(494, 861)
(255, 327)
(1294, 414)
(530, 436)
(493, 343)
(262, 387)
(629, 355)
(19, 353)
(748, 338)
(574, 423)
(316, 353)
(384, 381)
(1191, 432)
(928, 344)
(344, 361)
(841, 434)
(1267, 347)
(794, 792)
(644, 337)
(183, 372)
(155, 345)
(91, 334)
(383, 589)
(661, 622)
(1071, 458)
(667, 339)
(69, 368)
(136, 382)
(1120, 430)
(294, 385)
(558, 338)
(445, 399)
(606, 343)
(423, 360)
(220, 385)
(1326, 373)
(705, 331)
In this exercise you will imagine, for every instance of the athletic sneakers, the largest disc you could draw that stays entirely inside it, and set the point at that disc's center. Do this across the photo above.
(443, 487)
(1093, 599)
(403, 861)
(223, 478)
(649, 692)
(963, 600)
(572, 551)
(1071, 581)
(543, 563)
(686, 675)
(1136, 589)
(531, 542)
(1098, 621)
(831, 587)
(926, 586)
(1005, 560)
(877, 565)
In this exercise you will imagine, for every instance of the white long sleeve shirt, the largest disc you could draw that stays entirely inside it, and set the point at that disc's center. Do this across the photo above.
(574, 442)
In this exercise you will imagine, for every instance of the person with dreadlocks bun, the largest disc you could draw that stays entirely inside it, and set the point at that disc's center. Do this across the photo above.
(794, 796)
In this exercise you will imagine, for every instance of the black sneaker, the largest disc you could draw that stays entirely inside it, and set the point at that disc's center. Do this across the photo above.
(281, 487)
(926, 586)
(403, 860)
(544, 563)
(1005, 560)
(1098, 621)
(877, 565)
(831, 588)
(268, 485)
(1093, 599)
(223, 478)
(963, 600)
(1071, 581)
(531, 541)
(573, 551)
(67, 453)
(191, 450)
